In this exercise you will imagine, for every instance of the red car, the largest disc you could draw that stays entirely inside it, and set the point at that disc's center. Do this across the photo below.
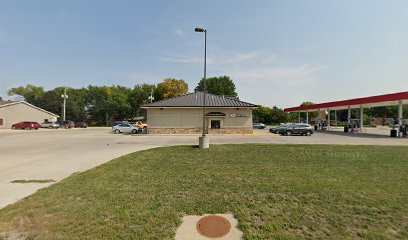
(81, 125)
(26, 125)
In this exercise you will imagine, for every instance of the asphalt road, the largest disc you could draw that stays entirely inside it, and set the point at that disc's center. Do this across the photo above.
(56, 154)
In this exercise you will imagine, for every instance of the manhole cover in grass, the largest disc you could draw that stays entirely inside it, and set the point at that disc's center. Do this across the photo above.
(213, 226)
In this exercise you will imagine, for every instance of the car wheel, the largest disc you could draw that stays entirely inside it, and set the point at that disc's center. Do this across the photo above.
(117, 131)
(308, 133)
(288, 133)
(14, 128)
(50, 127)
(134, 131)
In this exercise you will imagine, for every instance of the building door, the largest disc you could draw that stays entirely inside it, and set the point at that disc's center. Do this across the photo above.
(215, 124)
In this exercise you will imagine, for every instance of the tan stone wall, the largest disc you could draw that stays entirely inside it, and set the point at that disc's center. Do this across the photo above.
(193, 117)
(245, 130)
(22, 112)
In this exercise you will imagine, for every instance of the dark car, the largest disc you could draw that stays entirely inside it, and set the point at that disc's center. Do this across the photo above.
(66, 124)
(297, 129)
(275, 130)
(81, 125)
(26, 125)
(259, 125)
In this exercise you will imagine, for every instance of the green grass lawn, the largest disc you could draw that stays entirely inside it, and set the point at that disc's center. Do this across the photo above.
(275, 192)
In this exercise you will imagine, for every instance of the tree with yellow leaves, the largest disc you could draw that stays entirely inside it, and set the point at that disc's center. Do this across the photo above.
(171, 87)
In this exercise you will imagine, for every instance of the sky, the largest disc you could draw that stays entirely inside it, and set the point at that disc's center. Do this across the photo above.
(277, 52)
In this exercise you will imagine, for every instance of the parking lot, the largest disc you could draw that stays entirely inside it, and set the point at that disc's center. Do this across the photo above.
(55, 154)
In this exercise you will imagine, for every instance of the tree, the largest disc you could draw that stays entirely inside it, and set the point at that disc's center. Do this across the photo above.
(262, 114)
(1, 99)
(30, 93)
(278, 115)
(171, 87)
(139, 95)
(117, 103)
(222, 85)
(303, 115)
(269, 115)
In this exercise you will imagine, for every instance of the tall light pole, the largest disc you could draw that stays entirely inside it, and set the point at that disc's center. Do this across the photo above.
(204, 141)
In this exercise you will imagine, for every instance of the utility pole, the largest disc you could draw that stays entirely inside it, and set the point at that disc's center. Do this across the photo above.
(151, 96)
(64, 96)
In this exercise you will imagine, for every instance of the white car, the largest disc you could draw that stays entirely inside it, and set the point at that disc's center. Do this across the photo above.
(125, 128)
(50, 125)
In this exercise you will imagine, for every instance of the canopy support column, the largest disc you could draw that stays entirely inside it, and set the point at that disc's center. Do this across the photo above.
(348, 115)
(361, 118)
(307, 117)
(400, 118)
(335, 118)
(298, 117)
(328, 120)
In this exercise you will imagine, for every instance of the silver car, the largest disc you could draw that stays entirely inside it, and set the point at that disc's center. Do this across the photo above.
(50, 125)
(125, 128)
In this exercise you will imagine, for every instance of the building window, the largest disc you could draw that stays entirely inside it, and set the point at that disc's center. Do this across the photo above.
(215, 124)
(1, 122)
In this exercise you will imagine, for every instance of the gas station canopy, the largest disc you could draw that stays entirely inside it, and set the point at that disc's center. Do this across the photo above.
(393, 99)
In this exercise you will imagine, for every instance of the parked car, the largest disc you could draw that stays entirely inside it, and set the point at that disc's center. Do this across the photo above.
(52, 125)
(140, 124)
(26, 125)
(119, 122)
(259, 125)
(66, 124)
(126, 128)
(297, 129)
(81, 125)
(275, 130)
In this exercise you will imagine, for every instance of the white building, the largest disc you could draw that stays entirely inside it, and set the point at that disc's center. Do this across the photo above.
(17, 111)
(184, 115)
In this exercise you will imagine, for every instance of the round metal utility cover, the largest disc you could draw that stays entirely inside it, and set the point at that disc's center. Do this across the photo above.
(213, 226)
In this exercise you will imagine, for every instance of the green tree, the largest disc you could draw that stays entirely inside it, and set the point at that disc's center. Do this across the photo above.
(171, 87)
(118, 103)
(30, 93)
(1, 99)
(278, 115)
(96, 104)
(139, 95)
(262, 114)
(303, 114)
(222, 85)
(106, 104)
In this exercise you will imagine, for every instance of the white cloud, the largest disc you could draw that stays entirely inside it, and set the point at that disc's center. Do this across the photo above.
(181, 59)
(179, 33)
(141, 77)
(288, 73)
(220, 59)
(271, 58)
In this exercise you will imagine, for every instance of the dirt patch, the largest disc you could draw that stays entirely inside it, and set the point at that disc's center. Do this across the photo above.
(33, 181)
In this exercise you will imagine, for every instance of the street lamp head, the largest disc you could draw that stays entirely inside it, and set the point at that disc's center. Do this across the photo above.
(199, 30)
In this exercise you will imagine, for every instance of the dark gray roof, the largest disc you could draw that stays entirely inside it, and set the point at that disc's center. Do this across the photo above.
(196, 100)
